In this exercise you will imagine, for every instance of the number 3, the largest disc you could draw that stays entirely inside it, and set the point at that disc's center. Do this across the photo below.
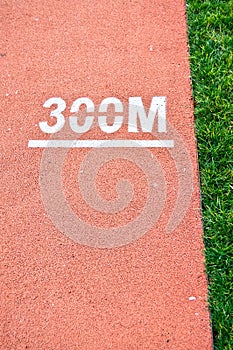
(61, 105)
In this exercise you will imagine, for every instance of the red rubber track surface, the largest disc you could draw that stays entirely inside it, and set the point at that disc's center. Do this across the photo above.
(56, 293)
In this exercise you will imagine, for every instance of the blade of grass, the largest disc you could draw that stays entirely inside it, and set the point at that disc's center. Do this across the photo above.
(210, 25)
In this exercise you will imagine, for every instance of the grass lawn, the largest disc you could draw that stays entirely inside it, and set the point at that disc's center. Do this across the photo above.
(211, 52)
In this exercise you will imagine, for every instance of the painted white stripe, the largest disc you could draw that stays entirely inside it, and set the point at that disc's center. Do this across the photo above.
(99, 143)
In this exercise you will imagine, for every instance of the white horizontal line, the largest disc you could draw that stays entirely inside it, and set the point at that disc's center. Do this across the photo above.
(99, 143)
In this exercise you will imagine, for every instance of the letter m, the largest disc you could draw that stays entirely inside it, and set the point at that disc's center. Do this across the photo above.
(137, 110)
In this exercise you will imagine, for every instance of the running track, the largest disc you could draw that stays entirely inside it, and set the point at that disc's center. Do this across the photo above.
(57, 293)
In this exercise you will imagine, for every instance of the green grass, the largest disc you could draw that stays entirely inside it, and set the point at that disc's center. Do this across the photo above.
(211, 53)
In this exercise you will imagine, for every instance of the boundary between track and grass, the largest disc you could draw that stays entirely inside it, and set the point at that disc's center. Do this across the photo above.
(210, 27)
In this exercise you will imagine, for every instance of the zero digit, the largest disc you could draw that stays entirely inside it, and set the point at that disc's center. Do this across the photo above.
(73, 120)
(103, 119)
